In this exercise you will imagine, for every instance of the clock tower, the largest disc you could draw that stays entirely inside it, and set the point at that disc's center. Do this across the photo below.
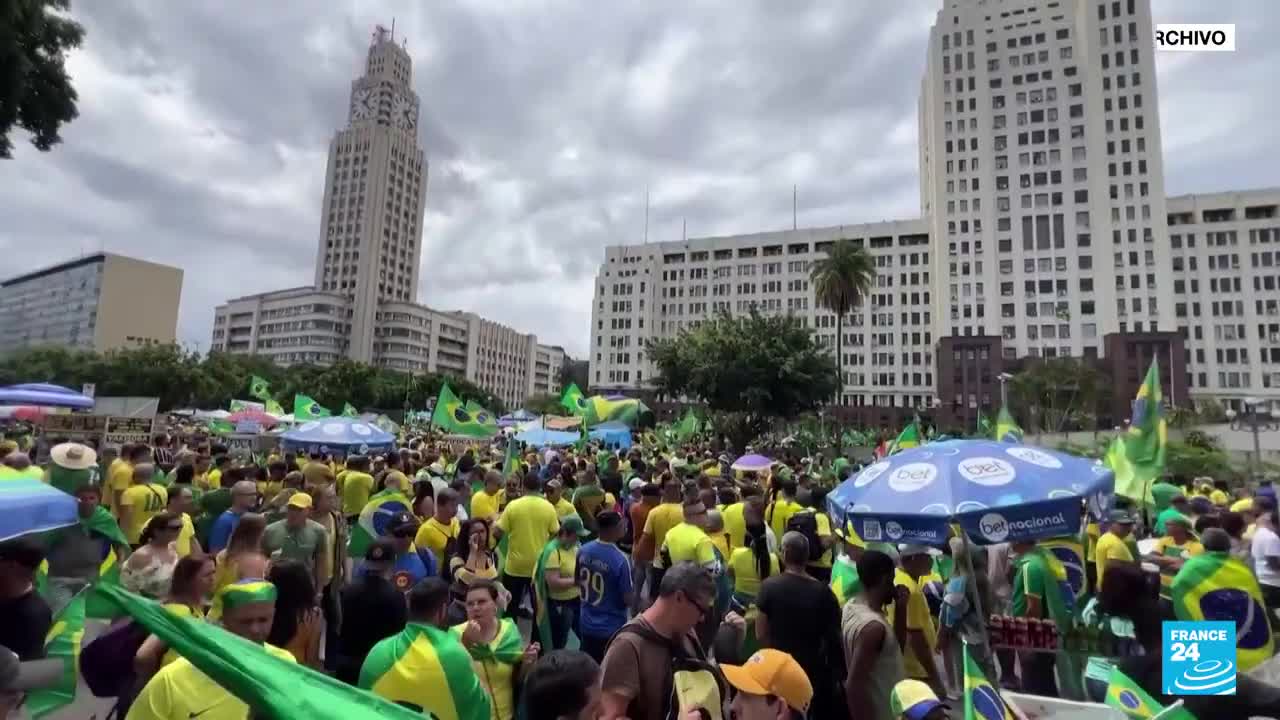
(375, 187)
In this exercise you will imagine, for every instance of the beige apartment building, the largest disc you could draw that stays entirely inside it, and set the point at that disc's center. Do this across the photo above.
(364, 304)
(97, 302)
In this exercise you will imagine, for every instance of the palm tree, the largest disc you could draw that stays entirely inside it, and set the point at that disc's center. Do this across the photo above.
(841, 281)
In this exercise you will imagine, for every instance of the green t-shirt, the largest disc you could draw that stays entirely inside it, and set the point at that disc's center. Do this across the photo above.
(1034, 579)
(294, 544)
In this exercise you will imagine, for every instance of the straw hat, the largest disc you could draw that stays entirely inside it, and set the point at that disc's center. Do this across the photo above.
(73, 456)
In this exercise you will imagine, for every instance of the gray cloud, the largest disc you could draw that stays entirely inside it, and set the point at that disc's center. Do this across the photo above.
(204, 131)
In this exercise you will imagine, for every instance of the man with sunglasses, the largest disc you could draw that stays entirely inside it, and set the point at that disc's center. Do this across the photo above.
(637, 673)
(411, 563)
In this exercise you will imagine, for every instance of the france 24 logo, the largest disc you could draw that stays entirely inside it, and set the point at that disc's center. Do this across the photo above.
(1199, 658)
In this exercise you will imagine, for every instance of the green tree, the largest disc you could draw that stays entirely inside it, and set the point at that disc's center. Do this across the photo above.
(544, 404)
(841, 281)
(35, 91)
(1058, 394)
(750, 369)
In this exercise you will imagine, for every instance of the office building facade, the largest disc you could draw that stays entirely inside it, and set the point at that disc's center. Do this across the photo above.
(97, 302)
(1045, 232)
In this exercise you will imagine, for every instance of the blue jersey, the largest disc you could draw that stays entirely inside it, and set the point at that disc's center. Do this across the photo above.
(604, 579)
(410, 567)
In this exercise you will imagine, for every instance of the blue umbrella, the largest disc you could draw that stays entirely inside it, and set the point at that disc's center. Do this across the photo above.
(343, 436)
(28, 506)
(44, 395)
(997, 492)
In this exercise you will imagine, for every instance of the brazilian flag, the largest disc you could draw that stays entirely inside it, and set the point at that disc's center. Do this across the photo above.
(981, 699)
(506, 647)
(305, 408)
(349, 411)
(259, 389)
(1070, 552)
(1007, 429)
(61, 643)
(908, 438)
(428, 670)
(573, 400)
(482, 416)
(542, 595)
(1217, 586)
(452, 416)
(375, 516)
(1129, 698)
(845, 582)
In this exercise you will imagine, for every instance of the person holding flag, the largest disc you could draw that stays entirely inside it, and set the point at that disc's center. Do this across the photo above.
(75, 554)
(498, 653)
(555, 585)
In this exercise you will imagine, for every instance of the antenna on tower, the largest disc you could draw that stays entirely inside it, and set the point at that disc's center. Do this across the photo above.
(684, 229)
(393, 29)
(646, 215)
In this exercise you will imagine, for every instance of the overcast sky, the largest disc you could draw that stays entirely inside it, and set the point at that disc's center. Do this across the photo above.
(203, 134)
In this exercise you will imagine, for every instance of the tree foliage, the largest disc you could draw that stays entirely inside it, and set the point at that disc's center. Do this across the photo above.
(749, 368)
(841, 281)
(35, 92)
(180, 378)
(1058, 395)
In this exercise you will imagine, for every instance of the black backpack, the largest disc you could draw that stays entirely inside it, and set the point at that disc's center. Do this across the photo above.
(806, 523)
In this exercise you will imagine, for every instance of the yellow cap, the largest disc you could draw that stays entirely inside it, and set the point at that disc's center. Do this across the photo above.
(1242, 505)
(912, 700)
(772, 672)
(300, 500)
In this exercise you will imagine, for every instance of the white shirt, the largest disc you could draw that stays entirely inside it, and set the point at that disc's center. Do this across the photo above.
(1265, 544)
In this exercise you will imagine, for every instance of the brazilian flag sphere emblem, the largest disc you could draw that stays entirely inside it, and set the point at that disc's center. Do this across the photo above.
(313, 409)
(258, 388)
(460, 414)
(581, 402)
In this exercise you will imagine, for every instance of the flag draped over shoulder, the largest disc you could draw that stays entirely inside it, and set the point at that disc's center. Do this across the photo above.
(1217, 586)
(271, 686)
(305, 408)
(412, 667)
(1129, 698)
(375, 516)
(507, 646)
(62, 643)
(981, 699)
(909, 437)
(541, 594)
(1007, 429)
(453, 417)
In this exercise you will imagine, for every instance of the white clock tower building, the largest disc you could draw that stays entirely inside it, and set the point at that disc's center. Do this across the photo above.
(375, 185)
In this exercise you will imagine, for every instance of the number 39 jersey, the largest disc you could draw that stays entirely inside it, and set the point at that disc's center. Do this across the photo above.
(604, 579)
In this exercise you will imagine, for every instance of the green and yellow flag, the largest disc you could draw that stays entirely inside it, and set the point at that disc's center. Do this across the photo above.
(844, 580)
(1007, 429)
(61, 643)
(1129, 698)
(1217, 586)
(482, 416)
(688, 426)
(599, 408)
(542, 595)
(349, 411)
(1147, 438)
(511, 463)
(375, 518)
(506, 647)
(97, 606)
(271, 686)
(981, 699)
(305, 408)
(259, 389)
(273, 407)
(428, 670)
(907, 439)
(573, 400)
(453, 417)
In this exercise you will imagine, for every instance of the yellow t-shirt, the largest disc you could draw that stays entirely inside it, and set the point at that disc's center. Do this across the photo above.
(1165, 546)
(119, 478)
(565, 508)
(436, 535)
(565, 562)
(179, 690)
(147, 501)
(498, 680)
(214, 478)
(1110, 547)
(1092, 531)
(660, 521)
(721, 542)
(180, 610)
(484, 505)
(746, 579)
(1219, 498)
(778, 513)
(824, 530)
(356, 488)
(918, 618)
(270, 488)
(183, 543)
(530, 522)
(735, 525)
(688, 543)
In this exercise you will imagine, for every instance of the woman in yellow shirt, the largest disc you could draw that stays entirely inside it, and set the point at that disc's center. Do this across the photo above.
(498, 653)
(559, 566)
(782, 507)
(751, 565)
(189, 591)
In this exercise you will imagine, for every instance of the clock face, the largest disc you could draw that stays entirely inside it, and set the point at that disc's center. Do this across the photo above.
(361, 104)
(403, 113)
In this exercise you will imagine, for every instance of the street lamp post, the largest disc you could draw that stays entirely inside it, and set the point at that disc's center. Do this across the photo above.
(1256, 418)
(1004, 378)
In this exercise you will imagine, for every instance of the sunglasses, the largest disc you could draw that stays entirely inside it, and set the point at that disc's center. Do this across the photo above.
(703, 610)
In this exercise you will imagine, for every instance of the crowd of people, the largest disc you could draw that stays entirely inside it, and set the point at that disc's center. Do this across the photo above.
(593, 583)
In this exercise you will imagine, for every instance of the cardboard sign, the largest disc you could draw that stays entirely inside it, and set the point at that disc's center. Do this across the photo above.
(122, 430)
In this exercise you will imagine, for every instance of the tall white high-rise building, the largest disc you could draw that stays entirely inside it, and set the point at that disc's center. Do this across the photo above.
(364, 303)
(1042, 174)
(375, 186)
(1044, 232)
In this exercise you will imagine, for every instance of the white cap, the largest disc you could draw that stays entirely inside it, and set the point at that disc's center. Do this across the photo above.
(635, 484)
(909, 549)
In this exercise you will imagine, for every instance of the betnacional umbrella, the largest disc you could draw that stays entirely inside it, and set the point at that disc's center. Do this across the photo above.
(997, 492)
(339, 435)
(28, 506)
(752, 463)
(44, 395)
